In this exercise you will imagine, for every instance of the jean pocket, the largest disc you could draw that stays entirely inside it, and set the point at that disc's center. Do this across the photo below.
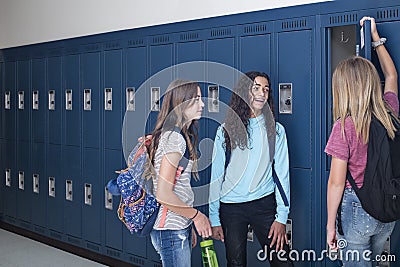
(363, 223)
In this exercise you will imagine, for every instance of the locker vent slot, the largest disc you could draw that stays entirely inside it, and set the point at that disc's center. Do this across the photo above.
(294, 24)
(157, 265)
(72, 50)
(39, 230)
(55, 235)
(255, 28)
(74, 241)
(221, 32)
(387, 13)
(113, 253)
(137, 42)
(25, 225)
(136, 260)
(91, 47)
(160, 39)
(343, 18)
(112, 45)
(92, 247)
(189, 36)
(55, 51)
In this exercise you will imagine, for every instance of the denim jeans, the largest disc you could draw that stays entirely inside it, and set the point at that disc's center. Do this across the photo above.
(235, 218)
(174, 246)
(361, 233)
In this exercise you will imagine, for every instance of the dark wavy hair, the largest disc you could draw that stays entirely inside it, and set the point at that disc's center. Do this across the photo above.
(236, 130)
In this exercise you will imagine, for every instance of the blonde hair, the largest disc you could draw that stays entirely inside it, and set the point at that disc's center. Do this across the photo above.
(357, 93)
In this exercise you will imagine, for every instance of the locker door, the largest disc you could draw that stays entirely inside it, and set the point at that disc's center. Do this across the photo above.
(38, 94)
(135, 111)
(90, 94)
(161, 59)
(113, 228)
(91, 214)
(10, 95)
(55, 189)
(133, 128)
(2, 168)
(54, 72)
(73, 100)
(24, 191)
(23, 100)
(39, 184)
(10, 174)
(113, 93)
(2, 97)
(298, 128)
(255, 53)
(72, 192)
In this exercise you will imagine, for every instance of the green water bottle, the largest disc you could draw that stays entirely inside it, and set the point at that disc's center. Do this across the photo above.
(208, 253)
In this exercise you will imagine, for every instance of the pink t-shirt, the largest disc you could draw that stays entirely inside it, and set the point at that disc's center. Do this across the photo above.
(350, 148)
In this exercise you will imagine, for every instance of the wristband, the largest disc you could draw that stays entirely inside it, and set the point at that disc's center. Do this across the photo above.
(378, 43)
(197, 212)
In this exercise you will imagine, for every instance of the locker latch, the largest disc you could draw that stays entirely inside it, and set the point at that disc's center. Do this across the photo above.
(36, 183)
(213, 98)
(7, 100)
(285, 98)
(88, 194)
(289, 232)
(155, 99)
(52, 100)
(8, 177)
(130, 98)
(108, 98)
(35, 100)
(108, 199)
(68, 99)
(68, 190)
(52, 186)
(87, 99)
(21, 182)
(21, 103)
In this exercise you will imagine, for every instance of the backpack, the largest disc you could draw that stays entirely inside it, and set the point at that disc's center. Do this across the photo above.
(380, 193)
(138, 207)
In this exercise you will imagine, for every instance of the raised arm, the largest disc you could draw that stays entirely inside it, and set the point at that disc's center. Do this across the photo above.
(386, 62)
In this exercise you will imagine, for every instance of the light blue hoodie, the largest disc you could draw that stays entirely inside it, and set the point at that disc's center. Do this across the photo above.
(249, 173)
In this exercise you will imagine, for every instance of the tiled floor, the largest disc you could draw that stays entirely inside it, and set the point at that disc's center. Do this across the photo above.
(19, 251)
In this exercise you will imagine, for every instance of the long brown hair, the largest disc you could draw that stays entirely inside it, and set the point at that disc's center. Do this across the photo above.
(179, 95)
(357, 93)
(236, 130)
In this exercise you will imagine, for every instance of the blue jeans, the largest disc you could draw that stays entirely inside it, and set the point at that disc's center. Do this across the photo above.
(174, 246)
(363, 236)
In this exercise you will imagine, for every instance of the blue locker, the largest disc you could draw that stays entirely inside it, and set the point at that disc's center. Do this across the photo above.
(54, 73)
(39, 184)
(134, 127)
(10, 168)
(90, 93)
(38, 94)
(2, 169)
(24, 191)
(71, 171)
(73, 99)
(134, 119)
(23, 99)
(297, 124)
(92, 219)
(9, 120)
(112, 88)
(113, 226)
(55, 189)
(161, 59)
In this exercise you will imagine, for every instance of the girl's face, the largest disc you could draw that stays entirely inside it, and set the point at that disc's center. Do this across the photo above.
(195, 107)
(259, 94)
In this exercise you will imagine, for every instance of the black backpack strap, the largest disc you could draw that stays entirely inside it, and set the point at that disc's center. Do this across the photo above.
(185, 159)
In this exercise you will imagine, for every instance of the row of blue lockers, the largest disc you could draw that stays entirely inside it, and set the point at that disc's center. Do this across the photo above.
(70, 111)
